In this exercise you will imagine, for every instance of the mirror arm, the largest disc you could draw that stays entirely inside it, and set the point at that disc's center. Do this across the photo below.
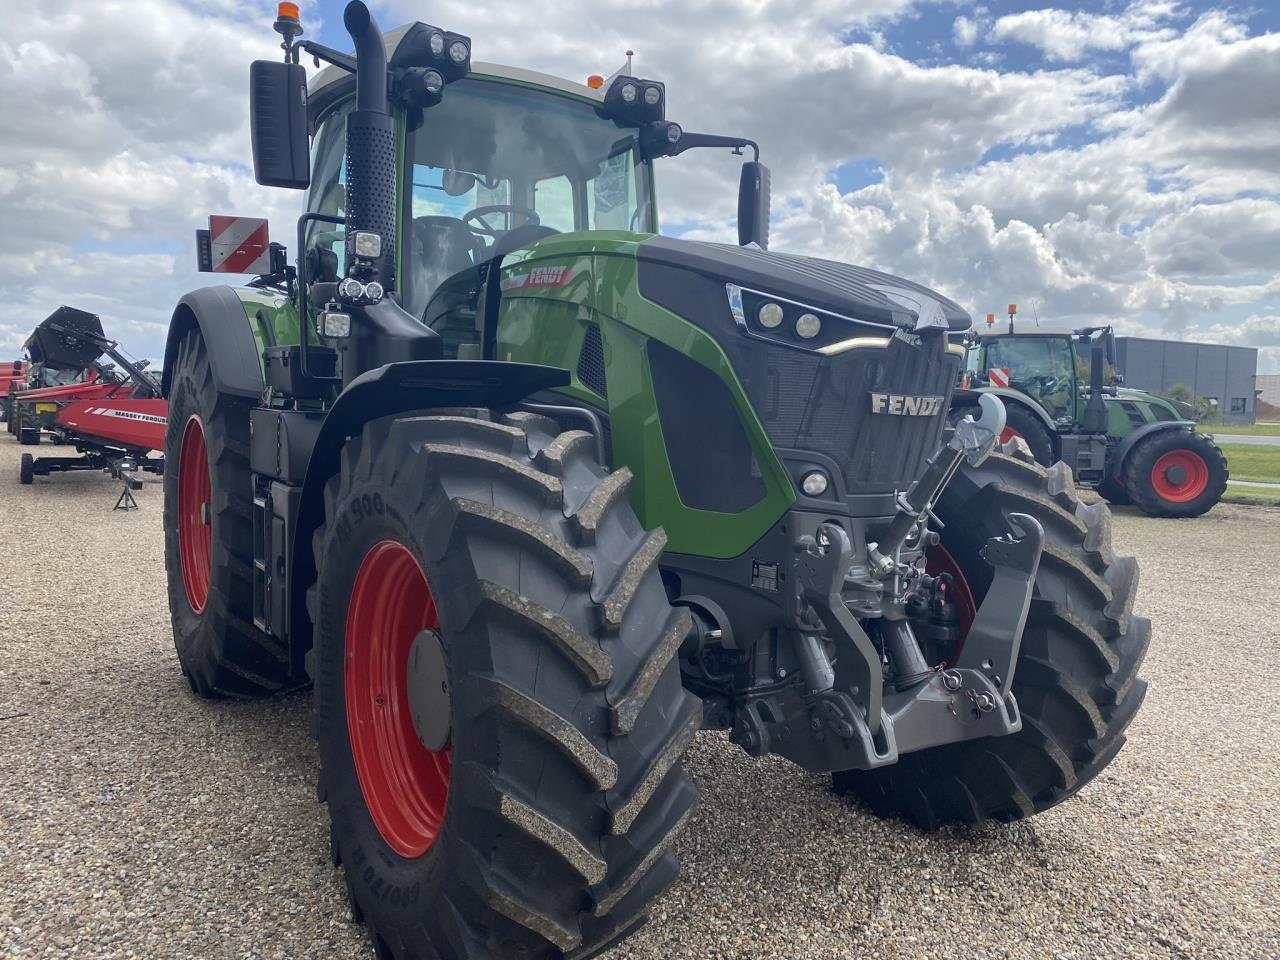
(320, 52)
(690, 141)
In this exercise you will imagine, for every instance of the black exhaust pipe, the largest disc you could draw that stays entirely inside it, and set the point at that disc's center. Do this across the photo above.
(371, 57)
(371, 146)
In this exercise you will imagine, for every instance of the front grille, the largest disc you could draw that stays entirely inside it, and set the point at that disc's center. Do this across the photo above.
(823, 404)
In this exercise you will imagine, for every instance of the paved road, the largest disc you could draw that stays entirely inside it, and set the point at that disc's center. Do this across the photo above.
(1250, 440)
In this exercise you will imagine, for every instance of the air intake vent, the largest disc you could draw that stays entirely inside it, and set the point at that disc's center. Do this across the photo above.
(591, 362)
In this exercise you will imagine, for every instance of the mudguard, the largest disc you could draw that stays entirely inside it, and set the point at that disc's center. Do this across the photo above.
(1118, 454)
(234, 354)
(390, 389)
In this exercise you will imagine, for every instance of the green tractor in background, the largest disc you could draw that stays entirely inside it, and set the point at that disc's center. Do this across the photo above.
(531, 495)
(1129, 445)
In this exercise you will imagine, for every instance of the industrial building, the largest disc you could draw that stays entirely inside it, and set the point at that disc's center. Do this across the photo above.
(1226, 376)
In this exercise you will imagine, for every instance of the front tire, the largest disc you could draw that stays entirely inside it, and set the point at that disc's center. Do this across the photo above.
(208, 537)
(544, 828)
(1076, 681)
(1175, 473)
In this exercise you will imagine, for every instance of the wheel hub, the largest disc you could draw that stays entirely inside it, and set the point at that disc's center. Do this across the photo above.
(1180, 476)
(388, 651)
(428, 681)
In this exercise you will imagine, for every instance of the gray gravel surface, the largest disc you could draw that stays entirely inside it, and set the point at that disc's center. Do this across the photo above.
(138, 821)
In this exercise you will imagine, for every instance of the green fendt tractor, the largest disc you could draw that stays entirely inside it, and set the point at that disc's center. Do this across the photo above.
(532, 495)
(1131, 446)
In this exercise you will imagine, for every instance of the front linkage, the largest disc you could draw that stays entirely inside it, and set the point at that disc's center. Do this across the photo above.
(864, 704)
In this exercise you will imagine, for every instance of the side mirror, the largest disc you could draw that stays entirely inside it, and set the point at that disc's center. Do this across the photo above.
(278, 124)
(753, 205)
(1110, 343)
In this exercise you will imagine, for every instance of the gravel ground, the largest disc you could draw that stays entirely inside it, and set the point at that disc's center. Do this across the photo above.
(137, 821)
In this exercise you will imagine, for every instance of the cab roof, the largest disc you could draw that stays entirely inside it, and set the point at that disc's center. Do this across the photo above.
(333, 83)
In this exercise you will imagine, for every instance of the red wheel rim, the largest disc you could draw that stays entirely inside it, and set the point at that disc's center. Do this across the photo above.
(938, 560)
(405, 785)
(195, 540)
(1180, 476)
(1008, 433)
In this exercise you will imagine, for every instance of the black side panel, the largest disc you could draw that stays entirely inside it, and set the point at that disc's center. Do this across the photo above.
(233, 352)
(708, 448)
(591, 362)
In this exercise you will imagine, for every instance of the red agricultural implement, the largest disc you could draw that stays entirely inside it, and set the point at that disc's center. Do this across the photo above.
(12, 373)
(115, 421)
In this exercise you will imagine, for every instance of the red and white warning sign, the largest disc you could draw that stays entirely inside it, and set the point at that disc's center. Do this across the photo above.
(999, 376)
(234, 245)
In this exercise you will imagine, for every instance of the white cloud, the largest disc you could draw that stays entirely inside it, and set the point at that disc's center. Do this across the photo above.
(1067, 35)
(965, 31)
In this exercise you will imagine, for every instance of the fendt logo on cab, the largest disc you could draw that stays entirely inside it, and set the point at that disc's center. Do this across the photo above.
(898, 405)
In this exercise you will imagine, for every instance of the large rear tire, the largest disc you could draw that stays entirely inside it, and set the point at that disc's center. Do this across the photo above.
(208, 537)
(540, 822)
(1175, 473)
(1076, 680)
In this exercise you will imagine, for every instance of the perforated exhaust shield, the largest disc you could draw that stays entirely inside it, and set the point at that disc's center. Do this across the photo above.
(371, 184)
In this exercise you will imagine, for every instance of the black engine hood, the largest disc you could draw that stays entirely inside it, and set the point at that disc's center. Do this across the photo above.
(841, 288)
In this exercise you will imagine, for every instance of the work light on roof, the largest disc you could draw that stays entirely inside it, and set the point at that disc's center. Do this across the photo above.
(436, 42)
(459, 52)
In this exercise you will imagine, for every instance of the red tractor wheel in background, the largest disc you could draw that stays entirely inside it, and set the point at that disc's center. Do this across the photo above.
(1175, 473)
(208, 537)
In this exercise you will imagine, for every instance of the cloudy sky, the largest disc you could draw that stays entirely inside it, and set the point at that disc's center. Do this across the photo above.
(1099, 161)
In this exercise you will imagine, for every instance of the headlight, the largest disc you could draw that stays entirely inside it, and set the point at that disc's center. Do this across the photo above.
(800, 326)
(368, 245)
(814, 484)
(628, 93)
(652, 95)
(674, 133)
(373, 290)
(437, 44)
(351, 289)
(458, 52)
(432, 82)
(335, 324)
(770, 316)
(808, 326)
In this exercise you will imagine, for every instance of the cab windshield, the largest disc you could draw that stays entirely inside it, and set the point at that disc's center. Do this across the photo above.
(496, 166)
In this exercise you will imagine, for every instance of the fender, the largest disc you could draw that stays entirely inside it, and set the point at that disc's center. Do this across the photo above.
(969, 398)
(234, 354)
(1122, 449)
(383, 391)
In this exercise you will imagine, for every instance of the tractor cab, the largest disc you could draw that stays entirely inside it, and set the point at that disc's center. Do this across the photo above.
(507, 158)
(1047, 366)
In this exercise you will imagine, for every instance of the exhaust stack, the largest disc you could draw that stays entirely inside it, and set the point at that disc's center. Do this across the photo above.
(371, 148)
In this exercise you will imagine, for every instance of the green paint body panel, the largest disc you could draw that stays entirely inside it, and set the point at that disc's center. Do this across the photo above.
(270, 309)
(547, 324)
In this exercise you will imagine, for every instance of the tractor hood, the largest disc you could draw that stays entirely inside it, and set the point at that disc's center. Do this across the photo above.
(854, 292)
